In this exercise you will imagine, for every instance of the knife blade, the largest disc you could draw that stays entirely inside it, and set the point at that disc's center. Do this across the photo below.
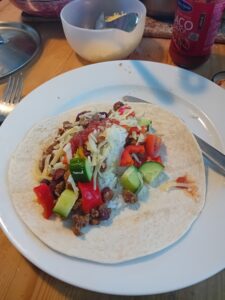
(215, 158)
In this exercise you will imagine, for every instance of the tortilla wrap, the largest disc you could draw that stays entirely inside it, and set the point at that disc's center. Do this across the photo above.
(155, 223)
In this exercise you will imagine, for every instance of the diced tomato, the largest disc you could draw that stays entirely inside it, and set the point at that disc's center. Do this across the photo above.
(91, 198)
(45, 198)
(126, 158)
(152, 145)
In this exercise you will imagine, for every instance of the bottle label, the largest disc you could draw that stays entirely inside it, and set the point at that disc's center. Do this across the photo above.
(195, 26)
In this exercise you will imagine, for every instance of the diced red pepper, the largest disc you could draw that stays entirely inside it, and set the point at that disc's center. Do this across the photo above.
(91, 198)
(152, 145)
(126, 158)
(45, 198)
(135, 149)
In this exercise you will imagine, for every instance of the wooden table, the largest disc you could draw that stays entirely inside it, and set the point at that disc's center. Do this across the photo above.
(19, 279)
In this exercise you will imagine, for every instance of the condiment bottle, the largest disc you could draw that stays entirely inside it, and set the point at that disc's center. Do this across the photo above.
(195, 27)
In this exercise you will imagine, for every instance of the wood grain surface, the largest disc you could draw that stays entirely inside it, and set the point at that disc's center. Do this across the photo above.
(19, 279)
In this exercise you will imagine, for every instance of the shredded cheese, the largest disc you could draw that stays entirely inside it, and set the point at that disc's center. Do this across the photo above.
(69, 133)
(46, 166)
(68, 151)
(59, 165)
(57, 154)
(115, 16)
(37, 173)
(95, 178)
(73, 184)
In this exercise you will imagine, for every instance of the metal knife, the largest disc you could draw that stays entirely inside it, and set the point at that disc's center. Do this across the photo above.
(215, 158)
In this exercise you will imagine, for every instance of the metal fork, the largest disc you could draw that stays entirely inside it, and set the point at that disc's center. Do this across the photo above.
(11, 96)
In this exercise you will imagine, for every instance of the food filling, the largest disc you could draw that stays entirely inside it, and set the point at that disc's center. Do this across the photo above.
(95, 159)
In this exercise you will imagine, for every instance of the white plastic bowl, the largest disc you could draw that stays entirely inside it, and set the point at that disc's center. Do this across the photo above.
(79, 17)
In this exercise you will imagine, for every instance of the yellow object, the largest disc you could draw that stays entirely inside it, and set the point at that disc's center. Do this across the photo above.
(114, 17)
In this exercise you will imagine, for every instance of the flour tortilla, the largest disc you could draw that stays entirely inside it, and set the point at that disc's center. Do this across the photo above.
(152, 225)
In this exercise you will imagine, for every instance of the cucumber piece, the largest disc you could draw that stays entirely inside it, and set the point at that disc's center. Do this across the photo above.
(144, 122)
(130, 179)
(150, 170)
(141, 182)
(65, 203)
(81, 169)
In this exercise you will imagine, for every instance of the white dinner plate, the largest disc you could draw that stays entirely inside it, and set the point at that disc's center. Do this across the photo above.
(200, 253)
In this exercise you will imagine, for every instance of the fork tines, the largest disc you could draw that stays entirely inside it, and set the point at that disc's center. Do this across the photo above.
(12, 93)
